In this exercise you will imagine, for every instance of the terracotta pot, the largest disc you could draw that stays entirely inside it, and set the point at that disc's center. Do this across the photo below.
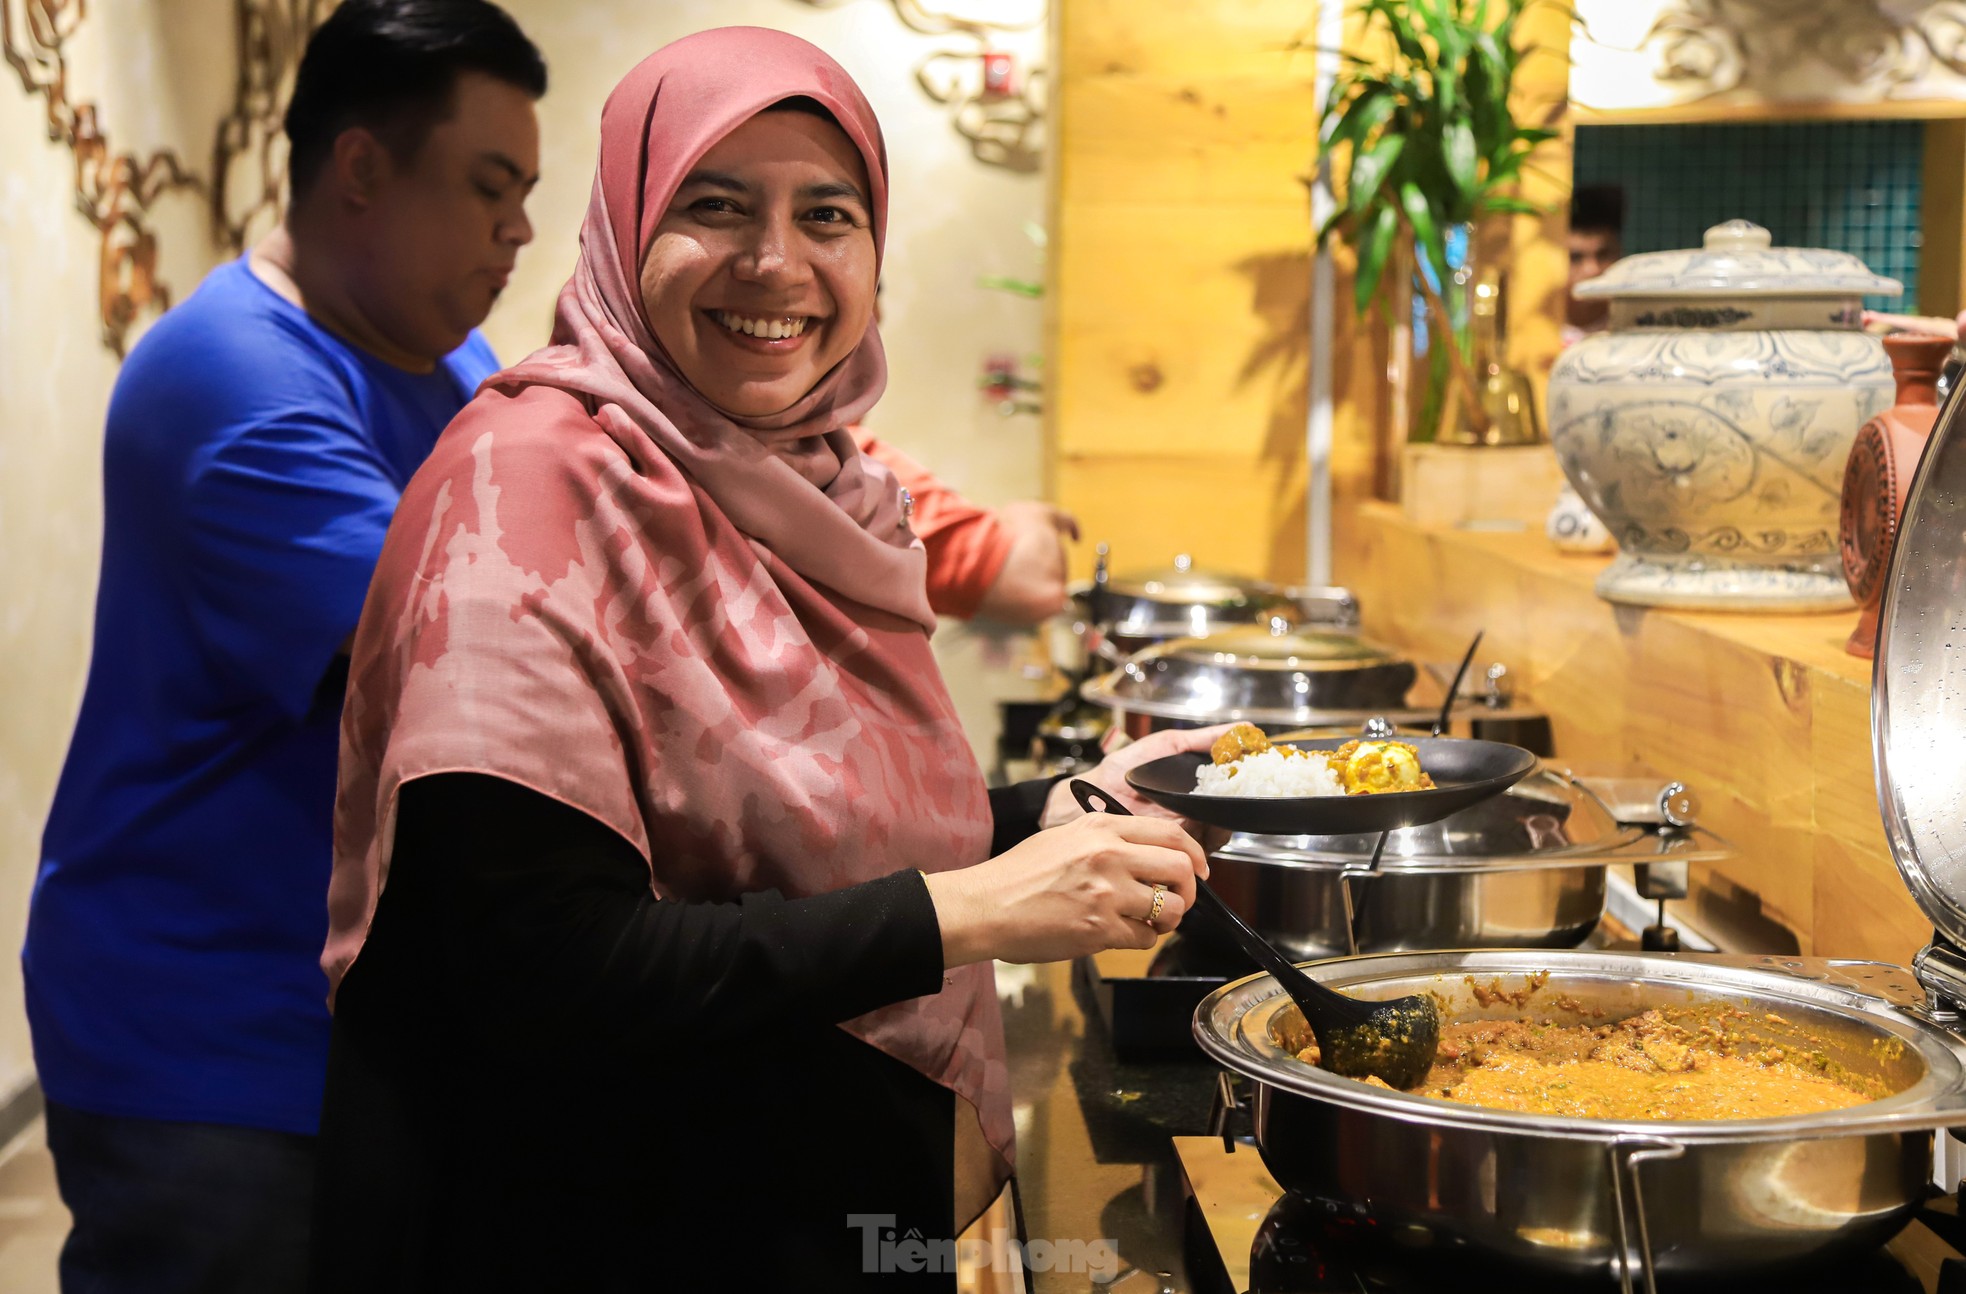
(1878, 476)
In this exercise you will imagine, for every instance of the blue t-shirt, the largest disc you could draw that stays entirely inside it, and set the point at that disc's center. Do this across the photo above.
(251, 463)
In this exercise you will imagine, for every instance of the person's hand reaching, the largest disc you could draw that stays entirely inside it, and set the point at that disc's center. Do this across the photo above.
(1085, 882)
(1110, 776)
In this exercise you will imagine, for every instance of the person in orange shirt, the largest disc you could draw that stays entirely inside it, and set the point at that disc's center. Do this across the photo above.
(1005, 564)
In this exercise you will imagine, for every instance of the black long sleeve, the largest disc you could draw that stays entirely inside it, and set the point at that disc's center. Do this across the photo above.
(1015, 811)
(543, 1077)
(533, 919)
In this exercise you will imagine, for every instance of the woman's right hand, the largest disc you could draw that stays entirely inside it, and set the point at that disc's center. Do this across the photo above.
(1073, 890)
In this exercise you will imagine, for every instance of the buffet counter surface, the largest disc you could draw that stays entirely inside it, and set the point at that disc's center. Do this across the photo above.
(1095, 1159)
(1116, 1164)
(1765, 715)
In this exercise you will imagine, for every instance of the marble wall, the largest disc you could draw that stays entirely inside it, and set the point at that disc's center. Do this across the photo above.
(159, 72)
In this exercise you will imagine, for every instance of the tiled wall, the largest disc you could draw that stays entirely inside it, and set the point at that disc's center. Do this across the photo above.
(1848, 185)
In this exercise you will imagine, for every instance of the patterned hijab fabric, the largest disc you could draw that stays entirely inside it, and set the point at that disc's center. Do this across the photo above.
(604, 588)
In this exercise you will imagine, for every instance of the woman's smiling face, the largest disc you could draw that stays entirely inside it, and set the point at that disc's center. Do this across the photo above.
(760, 277)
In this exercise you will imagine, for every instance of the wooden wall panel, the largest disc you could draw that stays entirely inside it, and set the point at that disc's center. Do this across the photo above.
(1539, 262)
(1230, 139)
(1942, 220)
(1228, 513)
(1765, 716)
(1180, 279)
(1200, 351)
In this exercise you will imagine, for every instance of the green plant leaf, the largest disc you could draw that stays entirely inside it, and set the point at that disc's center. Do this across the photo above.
(1400, 26)
(1507, 204)
(1426, 230)
(1447, 91)
(1369, 171)
(1333, 224)
(1458, 151)
(1372, 259)
(1365, 114)
(1489, 116)
(1342, 87)
(1005, 283)
(1432, 136)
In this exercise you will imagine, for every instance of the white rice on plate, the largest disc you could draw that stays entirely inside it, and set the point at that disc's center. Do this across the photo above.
(1273, 774)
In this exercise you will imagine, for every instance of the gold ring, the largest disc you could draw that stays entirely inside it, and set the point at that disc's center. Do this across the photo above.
(1160, 897)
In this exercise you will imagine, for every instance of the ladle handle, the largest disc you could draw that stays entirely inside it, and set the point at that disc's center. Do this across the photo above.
(1094, 799)
(1454, 688)
(1255, 945)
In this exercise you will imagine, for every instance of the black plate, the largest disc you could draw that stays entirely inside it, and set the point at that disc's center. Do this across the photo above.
(1465, 772)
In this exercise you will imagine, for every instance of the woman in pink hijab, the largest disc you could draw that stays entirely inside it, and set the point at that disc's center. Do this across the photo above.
(666, 887)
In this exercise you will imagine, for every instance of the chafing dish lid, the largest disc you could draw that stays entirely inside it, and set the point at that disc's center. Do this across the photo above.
(1273, 674)
(1184, 584)
(1918, 683)
(1261, 648)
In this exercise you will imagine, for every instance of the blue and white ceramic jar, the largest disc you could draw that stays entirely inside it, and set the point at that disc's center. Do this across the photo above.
(1708, 429)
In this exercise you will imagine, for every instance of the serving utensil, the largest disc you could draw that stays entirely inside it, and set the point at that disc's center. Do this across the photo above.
(1454, 688)
(1465, 772)
(1392, 1041)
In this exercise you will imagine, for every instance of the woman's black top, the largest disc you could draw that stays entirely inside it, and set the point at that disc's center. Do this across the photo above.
(543, 1078)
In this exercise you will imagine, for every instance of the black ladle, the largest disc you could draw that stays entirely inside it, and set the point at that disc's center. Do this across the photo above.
(1447, 706)
(1392, 1041)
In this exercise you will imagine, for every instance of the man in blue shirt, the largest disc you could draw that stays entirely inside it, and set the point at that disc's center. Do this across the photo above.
(257, 442)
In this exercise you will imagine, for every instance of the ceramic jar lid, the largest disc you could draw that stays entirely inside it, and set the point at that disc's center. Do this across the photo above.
(1737, 261)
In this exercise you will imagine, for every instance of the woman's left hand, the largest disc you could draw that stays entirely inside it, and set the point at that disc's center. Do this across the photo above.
(1110, 776)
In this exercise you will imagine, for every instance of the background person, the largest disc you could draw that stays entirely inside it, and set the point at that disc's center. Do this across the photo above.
(1005, 564)
(1596, 242)
(257, 441)
(656, 821)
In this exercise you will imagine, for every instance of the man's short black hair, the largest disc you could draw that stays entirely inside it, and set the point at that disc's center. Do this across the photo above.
(391, 66)
(1597, 209)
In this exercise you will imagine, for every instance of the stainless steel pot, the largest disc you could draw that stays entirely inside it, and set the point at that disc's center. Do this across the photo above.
(1276, 677)
(1589, 1197)
(1523, 870)
(1129, 612)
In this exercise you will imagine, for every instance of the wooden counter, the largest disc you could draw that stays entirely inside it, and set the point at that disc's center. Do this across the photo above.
(1767, 717)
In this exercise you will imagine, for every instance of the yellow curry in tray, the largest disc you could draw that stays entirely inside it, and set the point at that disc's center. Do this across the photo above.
(1669, 1063)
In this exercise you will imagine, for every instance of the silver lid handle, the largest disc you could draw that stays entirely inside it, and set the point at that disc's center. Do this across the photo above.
(1646, 801)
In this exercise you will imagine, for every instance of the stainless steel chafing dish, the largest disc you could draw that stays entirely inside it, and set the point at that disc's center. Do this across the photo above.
(1182, 600)
(1640, 1198)
(1114, 616)
(1272, 676)
(1574, 1196)
(1523, 870)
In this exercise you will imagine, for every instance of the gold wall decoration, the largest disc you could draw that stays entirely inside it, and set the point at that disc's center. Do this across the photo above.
(1662, 56)
(1004, 127)
(249, 156)
(114, 191)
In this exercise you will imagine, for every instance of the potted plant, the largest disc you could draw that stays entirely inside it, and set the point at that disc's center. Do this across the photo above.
(1423, 146)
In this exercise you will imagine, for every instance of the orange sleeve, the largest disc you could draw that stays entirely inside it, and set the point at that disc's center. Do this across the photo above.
(967, 545)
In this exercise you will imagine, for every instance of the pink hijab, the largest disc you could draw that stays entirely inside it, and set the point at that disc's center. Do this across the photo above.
(602, 587)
